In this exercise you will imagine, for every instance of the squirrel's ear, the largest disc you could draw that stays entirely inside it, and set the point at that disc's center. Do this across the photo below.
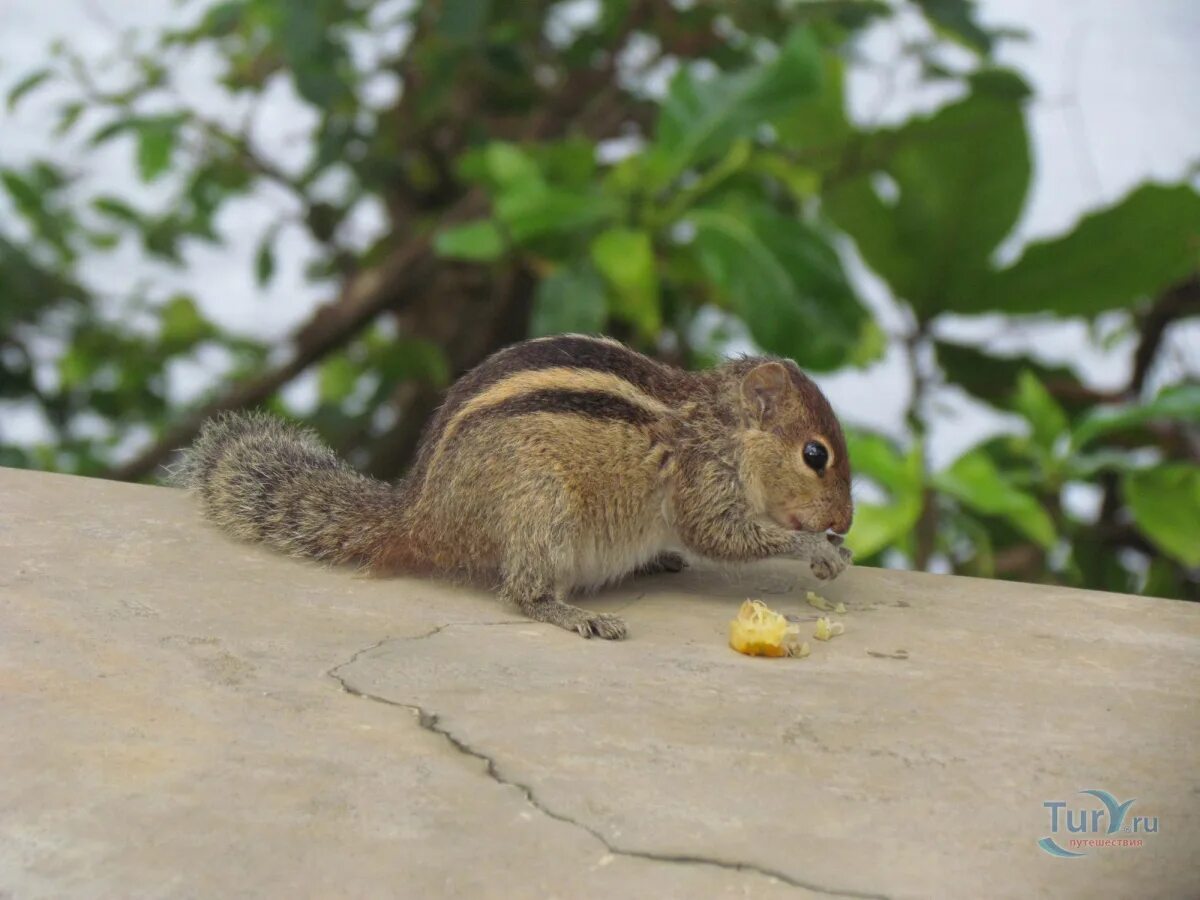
(763, 387)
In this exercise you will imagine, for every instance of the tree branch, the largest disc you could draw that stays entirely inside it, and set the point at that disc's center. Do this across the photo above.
(367, 294)
(498, 309)
(1178, 302)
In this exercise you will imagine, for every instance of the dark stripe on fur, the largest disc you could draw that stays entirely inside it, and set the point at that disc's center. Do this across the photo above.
(569, 351)
(572, 352)
(591, 404)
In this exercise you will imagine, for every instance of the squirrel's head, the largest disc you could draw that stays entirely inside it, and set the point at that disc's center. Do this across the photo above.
(794, 461)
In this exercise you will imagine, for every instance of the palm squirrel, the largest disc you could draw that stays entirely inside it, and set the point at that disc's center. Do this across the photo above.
(559, 463)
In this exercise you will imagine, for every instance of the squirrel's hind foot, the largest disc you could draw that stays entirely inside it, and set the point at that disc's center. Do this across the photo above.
(664, 562)
(587, 624)
(601, 625)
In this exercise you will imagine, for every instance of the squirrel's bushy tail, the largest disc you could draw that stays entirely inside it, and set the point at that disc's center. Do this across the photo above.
(263, 479)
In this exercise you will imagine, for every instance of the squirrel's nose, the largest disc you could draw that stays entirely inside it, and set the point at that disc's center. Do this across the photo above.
(840, 524)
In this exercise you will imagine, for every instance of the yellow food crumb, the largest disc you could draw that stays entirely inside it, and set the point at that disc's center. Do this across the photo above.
(816, 601)
(760, 631)
(826, 629)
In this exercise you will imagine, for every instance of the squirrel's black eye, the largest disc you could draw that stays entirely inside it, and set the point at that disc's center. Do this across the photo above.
(816, 456)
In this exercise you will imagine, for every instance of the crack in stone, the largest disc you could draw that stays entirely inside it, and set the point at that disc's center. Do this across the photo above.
(431, 722)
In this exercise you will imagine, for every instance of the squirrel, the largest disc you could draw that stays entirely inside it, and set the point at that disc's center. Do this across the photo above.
(558, 464)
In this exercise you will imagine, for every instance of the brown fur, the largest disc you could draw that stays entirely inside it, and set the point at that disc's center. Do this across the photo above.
(558, 464)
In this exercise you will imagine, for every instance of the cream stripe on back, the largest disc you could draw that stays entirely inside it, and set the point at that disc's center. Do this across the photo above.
(563, 378)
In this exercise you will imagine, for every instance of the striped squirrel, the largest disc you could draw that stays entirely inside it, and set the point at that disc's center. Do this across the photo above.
(557, 464)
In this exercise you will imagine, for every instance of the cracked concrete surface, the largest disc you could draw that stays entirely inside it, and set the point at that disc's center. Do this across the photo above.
(181, 715)
(432, 723)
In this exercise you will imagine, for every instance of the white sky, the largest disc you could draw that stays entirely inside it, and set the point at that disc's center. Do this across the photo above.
(1118, 88)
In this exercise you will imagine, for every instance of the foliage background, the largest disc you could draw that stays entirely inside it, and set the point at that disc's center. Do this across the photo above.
(685, 176)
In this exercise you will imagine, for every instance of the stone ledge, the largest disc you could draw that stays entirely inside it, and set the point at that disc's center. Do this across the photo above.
(182, 715)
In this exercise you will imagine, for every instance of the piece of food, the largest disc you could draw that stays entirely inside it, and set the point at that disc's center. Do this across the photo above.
(826, 629)
(760, 631)
(816, 601)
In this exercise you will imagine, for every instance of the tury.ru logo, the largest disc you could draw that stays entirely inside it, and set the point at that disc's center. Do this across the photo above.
(1074, 831)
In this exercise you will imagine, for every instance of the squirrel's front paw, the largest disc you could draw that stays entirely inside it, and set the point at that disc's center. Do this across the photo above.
(826, 558)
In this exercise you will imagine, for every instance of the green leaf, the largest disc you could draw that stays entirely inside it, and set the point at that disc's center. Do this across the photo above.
(1165, 502)
(156, 137)
(161, 238)
(68, 115)
(264, 257)
(1144, 243)
(75, 367)
(700, 119)
(156, 145)
(223, 18)
(337, 378)
(117, 127)
(463, 20)
(975, 481)
(956, 20)
(569, 163)
(25, 85)
(115, 208)
(478, 241)
(960, 179)
(625, 257)
(877, 526)
(878, 458)
(994, 379)
(181, 325)
(24, 195)
(784, 280)
(836, 326)
(871, 346)
(34, 193)
(507, 165)
(407, 359)
(1163, 579)
(818, 119)
(1045, 416)
(569, 301)
(317, 58)
(103, 240)
(1180, 403)
(533, 211)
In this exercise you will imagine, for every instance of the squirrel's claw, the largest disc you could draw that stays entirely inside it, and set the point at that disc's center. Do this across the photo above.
(824, 554)
(601, 625)
(829, 561)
